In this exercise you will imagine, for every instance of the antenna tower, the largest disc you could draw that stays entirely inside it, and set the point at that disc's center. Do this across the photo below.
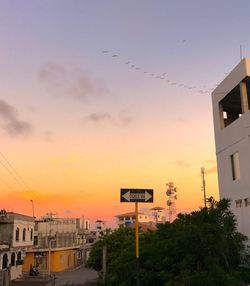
(171, 198)
(203, 187)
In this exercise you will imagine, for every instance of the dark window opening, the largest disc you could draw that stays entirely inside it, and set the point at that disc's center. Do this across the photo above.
(31, 234)
(246, 202)
(247, 80)
(24, 234)
(5, 261)
(235, 165)
(17, 234)
(13, 259)
(231, 106)
(238, 204)
(19, 255)
(35, 240)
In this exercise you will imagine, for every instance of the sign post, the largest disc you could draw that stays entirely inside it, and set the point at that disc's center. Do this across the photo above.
(137, 196)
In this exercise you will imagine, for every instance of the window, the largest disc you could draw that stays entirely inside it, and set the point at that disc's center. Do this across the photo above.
(24, 234)
(19, 255)
(35, 240)
(5, 261)
(235, 164)
(238, 204)
(31, 234)
(246, 202)
(230, 107)
(17, 234)
(13, 259)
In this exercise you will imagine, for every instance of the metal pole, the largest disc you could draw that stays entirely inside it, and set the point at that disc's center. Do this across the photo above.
(204, 186)
(49, 255)
(33, 208)
(137, 245)
(104, 262)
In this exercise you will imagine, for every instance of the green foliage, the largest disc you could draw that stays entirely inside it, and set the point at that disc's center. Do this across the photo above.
(201, 248)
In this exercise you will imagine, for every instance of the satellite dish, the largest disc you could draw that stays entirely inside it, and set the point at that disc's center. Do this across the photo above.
(168, 192)
(169, 203)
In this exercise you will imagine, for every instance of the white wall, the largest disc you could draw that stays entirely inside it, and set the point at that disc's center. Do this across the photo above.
(234, 138)
(22, 224)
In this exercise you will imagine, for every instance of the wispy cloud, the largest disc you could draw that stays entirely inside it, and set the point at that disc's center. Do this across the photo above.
(71, 81)
(182, 164)
(48, 136)
(10, 122)
(210, 161)
(98, 117)
(211, 170)
(125, 117)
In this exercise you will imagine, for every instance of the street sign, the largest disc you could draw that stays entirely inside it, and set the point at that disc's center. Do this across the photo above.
(137, 195)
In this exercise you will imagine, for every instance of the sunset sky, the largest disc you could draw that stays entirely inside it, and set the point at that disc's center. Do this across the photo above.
(99, 95)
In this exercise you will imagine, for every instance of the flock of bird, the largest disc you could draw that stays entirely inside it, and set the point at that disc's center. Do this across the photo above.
(162, 76)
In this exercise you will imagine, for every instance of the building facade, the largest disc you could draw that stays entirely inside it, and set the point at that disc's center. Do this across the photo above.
(16, 237)
(58, 243)
(231, 102)
(127, 219)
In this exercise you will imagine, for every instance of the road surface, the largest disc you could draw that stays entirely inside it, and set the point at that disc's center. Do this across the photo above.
(77, 276)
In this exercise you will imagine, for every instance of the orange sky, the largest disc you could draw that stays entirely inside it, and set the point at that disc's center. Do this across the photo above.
(103, 96)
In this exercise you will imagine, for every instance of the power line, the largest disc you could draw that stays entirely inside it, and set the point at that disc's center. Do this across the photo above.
(13, 172)
(8, 186)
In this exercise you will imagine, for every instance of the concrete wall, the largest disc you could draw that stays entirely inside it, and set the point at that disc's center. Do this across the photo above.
(29, 227)
(233, 138)
(15, 270)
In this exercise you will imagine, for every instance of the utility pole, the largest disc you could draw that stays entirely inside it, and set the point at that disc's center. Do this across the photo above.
(104, 262)
(204, 186)
(33, 212)
(137, 245)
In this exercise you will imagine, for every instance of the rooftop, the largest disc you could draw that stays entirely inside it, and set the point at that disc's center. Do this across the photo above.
(8, 217)
(129, 214)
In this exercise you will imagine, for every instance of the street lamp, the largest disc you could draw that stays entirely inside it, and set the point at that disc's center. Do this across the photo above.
(33, 208)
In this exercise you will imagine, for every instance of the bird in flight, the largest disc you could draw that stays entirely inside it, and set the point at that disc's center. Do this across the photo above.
(114, 56)
(105, 52)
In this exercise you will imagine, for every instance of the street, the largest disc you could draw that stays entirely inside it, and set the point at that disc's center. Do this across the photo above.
(77, 276)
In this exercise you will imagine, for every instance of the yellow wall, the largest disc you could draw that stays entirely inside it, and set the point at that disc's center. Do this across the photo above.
(28, 259)
(60, 260)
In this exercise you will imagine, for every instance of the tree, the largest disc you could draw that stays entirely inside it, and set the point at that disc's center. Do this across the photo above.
(200, 248)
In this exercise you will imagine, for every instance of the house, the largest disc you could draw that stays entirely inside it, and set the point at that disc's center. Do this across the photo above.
(16, 237)
(231, 102)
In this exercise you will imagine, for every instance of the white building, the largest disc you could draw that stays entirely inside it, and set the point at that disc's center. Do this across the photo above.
(16, 237)
(231, 102)
(127, 219)
(60, 232)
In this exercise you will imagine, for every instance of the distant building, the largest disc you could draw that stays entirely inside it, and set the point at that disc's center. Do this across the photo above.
(231, 104)
(127, 219)
(16, 237)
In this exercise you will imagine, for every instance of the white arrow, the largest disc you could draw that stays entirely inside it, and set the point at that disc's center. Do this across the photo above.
(126, 196)
(148, 196)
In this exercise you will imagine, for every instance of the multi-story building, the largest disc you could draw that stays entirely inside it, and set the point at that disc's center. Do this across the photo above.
(16, 238)
(58, 243)
(231, 103)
